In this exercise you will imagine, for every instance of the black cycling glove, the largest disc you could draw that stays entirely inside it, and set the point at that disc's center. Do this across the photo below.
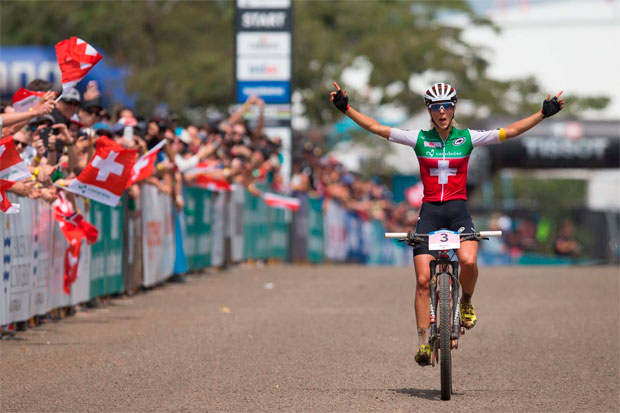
(550, 107)
(341, 101)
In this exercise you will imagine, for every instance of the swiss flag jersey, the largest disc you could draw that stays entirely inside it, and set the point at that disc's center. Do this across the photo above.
(444, 179)
(75, 58)
(105, 178)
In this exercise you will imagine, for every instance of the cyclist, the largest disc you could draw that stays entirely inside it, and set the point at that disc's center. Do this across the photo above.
(443, 154)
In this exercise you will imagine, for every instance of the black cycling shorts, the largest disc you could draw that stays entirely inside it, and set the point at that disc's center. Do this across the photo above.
(453, 215)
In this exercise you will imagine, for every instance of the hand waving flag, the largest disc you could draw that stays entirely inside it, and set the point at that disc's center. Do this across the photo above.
(75, 58)
(105, 178)
(24, 99)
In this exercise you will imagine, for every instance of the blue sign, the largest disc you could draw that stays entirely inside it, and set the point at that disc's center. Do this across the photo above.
(269, 91)
(22, 64)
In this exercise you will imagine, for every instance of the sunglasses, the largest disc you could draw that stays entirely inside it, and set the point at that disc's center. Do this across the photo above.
(19, 143)
(436, 107)
(72, 102)
(93, 111)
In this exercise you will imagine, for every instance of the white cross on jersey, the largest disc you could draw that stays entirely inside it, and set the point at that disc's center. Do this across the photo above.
(107, 166)
(443, 171)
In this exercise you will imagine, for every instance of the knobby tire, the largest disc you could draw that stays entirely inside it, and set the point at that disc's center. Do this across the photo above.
(445, 336)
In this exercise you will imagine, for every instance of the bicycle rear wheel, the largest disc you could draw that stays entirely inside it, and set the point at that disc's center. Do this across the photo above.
(445, 336)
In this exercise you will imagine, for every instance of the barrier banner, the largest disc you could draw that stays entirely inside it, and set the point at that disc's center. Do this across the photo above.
(335, 231)
(26, 250)
(278, 233)
(158, 246)
(106, 269)
(219, 229)
(132, 240)
(315, 230)
(255, 227)
(299, 233)
(80, 289)
(180, 262)
(235, 224)
(198, 235)
(354, 238)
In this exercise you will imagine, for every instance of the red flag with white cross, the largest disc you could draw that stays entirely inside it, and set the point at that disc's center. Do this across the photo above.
(280, 201)
(24, 99)
(12, 167)
(75, 58)
(145, 165)
(7, 206)
(105, 178)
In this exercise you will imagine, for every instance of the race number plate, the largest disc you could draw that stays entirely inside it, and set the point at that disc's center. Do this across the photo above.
(443, 240)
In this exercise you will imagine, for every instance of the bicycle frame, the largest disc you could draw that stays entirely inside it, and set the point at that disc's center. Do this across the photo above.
(444, 264)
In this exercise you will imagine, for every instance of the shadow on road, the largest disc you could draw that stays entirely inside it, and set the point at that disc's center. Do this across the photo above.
(428, 394)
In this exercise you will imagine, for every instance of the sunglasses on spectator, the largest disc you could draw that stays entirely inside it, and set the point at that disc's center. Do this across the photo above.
(93, 111)
(436, 107)
(72, 102)
(19, 143)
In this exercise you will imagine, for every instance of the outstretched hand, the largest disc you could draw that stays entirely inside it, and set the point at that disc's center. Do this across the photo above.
(552, 106)
(340, 99)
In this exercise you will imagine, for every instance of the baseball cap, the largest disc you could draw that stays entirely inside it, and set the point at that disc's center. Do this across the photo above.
(182, 134)
(40, 119)
(92, 103)
(72, 94)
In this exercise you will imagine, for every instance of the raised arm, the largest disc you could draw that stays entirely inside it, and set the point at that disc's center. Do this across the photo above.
(550, 108)
(341, 101)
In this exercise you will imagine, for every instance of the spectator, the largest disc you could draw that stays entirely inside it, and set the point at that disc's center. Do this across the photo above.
(565, 244)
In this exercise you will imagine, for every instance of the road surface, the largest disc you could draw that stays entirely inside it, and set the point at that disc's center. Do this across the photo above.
(324, 338)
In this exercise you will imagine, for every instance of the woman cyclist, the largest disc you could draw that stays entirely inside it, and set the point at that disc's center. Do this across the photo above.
(443, 153)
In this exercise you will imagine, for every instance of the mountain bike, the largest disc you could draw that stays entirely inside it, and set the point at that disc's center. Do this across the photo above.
(444, 291)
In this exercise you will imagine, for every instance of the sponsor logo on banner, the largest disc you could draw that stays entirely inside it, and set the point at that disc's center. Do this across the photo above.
(264, 20)
(263, 43)
(270, 92)
(263, 4)
(263, 69)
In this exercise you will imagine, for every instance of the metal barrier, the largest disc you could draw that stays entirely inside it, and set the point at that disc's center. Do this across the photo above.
(139, 244)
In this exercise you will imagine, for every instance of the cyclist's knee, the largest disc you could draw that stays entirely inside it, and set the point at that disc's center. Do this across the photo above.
(422, 281)
(469, 261)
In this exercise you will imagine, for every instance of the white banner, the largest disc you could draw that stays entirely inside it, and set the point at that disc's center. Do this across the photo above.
(262, 44)
(335, 231)
(235, 227)
(255, 68)
(158, 246)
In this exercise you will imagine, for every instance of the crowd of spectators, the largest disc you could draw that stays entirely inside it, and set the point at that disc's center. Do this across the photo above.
(57, 141)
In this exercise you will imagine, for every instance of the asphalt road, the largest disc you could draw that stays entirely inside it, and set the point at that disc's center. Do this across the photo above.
(328, 338)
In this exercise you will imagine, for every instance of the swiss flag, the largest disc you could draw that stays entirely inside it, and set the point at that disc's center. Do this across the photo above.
(24, 99)
(72, 262)
(7, 206)
(414, 195)
(12, 167)
(75, 228)
(216, 185)
(75, 58)
(145, 165)
(279, 201)
(105, 178)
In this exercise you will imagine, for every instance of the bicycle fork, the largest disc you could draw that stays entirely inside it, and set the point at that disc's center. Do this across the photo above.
(456, 322)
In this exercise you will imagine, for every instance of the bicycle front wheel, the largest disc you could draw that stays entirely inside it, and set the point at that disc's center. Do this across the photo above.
(445, 336)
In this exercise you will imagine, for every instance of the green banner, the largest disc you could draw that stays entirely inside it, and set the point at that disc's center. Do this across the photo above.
(198, 221)
(106, 264)
(278, 233)
(315, 230)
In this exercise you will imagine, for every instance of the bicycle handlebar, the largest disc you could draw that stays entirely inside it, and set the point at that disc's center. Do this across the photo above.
(481, 234)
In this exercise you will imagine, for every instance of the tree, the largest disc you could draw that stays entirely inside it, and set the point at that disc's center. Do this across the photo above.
(182, 53)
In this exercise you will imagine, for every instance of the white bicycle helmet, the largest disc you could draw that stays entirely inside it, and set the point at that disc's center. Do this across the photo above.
(440, 92)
